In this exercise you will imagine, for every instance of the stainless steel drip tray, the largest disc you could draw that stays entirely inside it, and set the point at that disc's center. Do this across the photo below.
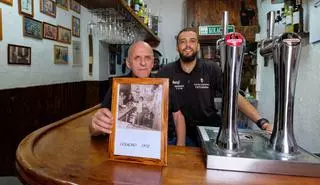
(255, 156)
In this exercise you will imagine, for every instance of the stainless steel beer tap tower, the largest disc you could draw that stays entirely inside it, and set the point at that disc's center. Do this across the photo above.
(229, 148)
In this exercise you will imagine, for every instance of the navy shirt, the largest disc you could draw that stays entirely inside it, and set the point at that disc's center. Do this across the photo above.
(195, 93)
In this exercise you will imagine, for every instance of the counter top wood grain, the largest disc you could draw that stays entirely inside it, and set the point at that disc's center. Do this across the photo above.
(65, 153)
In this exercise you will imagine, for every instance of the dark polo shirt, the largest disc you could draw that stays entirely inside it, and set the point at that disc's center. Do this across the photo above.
(195, 93)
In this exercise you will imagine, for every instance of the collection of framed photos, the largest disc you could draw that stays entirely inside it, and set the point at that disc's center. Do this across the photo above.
(43, 30)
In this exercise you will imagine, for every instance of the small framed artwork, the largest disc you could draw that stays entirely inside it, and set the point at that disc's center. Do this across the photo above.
(75, 6)
(75, 26)
(50, 31)
(32, 28)
(64, 4)
(64, 35)
(0, 24)
(26, 7)
(140, 109)
(61, 55)
(48, 7)
(76, 53)
(19, 54)
(8, 2)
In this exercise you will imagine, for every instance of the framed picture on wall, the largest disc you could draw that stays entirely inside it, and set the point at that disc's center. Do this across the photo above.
(64, 4)
(0, 24)
(61, 55)
(64, 35)
(75, 26)
(50, 31)
(48, 7)
(76, 53)
(26, 7)
(8, 2)
(19, 54)
(140, 109)
(75, 6)
(32, 28)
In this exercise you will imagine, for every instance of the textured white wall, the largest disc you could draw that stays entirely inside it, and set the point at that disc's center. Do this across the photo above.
(171, 13)
(307, 100)
(42, 69)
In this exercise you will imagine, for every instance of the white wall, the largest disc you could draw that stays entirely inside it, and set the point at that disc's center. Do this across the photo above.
(171, 22)
(42, 69)
(307, 100)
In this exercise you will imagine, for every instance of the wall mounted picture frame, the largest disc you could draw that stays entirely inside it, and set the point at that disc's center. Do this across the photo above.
(75, 6)
(20, 55)
(76, 53)
(0, 24)
(140, 109)
(8, 2)
(64, 35)
(64, 4)
(32, 28)
(26, 7)
(50, 31)
(75, 26)
(61, 54)
(48, 7)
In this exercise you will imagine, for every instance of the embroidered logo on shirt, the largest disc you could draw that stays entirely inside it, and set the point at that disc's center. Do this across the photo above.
(176, 82)
(201, 80)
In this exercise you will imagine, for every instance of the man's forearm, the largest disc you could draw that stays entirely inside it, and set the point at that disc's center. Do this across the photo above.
(180, 128)
(247, 109)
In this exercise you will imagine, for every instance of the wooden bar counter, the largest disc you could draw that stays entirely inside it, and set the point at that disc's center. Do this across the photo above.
(64, 153)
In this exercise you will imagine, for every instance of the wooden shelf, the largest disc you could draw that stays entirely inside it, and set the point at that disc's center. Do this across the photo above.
(123, 8)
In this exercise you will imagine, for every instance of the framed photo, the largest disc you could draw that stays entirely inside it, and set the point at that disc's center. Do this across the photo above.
(64, 35)
(64, 4)
(76, 53)
(26, 7)
(32, 28)
(50, 31)
(140, 109)
(75, 26)
(8, 2)
(75, 6)
(61, 55)
(0, 24)
(19, 54)
(48, 7)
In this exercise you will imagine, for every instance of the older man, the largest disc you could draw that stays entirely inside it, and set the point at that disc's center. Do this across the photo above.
(140, 60)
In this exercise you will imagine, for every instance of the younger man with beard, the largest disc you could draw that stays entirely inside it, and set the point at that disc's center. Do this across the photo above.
(195, 84)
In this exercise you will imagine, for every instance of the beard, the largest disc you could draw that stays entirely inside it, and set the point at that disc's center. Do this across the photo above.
(187, 59)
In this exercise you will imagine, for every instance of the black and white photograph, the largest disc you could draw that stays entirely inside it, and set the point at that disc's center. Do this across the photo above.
(139, 106)
(19, 54)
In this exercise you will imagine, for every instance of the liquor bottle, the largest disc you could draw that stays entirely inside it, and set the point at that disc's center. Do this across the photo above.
(298, 17)
(141, 10)
(288, 14)
(136, 6)
(146, 15)
(149, 19)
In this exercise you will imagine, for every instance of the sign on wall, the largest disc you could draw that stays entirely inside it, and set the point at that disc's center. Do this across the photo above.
(214, 29)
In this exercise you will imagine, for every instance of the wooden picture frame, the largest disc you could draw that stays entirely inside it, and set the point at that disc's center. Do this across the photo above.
(8, 2)
(50, 31)
(75, 6)
(61, 54)
(75, 26)
(26, 7)
(64, 35)
(140, 109)
(32, 27)
(0, 24)
(20, 55)
(48, 7)
(64, 4)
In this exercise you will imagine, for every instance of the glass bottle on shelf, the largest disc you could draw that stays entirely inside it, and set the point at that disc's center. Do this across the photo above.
(298, 17)
(288, 14)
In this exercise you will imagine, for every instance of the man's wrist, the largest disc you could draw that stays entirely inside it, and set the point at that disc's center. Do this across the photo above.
(261, 122)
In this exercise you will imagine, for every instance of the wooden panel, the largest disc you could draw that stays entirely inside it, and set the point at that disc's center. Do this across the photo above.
(24, 110)
(83, 160)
